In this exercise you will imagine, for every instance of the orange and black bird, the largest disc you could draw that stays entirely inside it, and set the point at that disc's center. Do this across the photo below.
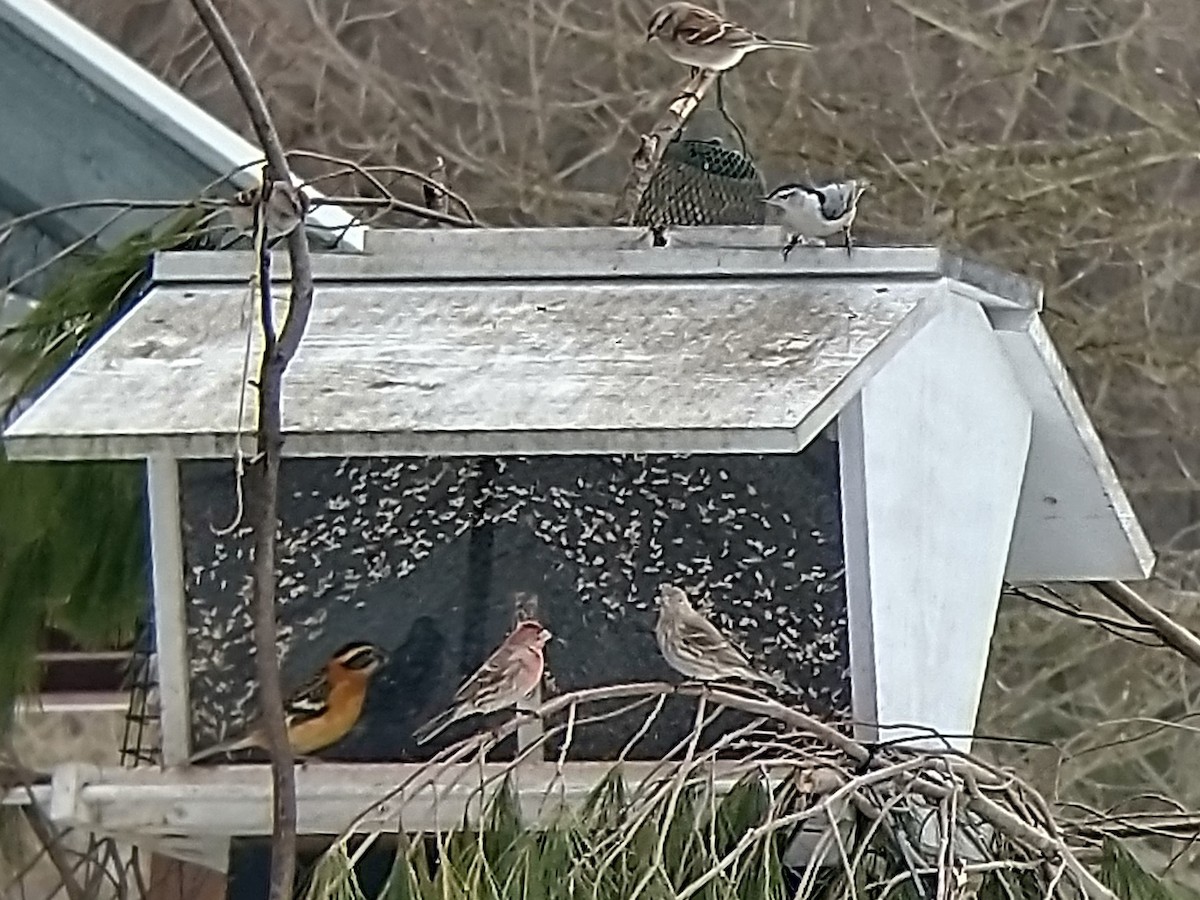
(323, 710)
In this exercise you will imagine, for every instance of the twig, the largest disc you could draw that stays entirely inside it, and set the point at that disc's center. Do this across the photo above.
(435, 198)
(1115, 627)
(262, 477)
(433, 181)
(1172, 633)
(15, 774)
(394, 204)
(654, 144)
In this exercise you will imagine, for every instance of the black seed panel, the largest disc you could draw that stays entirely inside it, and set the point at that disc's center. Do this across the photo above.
(430, 558)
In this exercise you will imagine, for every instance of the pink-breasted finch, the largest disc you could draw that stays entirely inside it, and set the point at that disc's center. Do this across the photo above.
(508, 676)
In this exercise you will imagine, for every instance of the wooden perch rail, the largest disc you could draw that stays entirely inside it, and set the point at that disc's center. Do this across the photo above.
(654, 143)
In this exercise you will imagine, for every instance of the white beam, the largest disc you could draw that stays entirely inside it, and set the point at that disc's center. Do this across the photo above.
(170, 623)
(933, 457)
(236, 800)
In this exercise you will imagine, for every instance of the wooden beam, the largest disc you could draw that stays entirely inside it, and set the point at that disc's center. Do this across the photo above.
(170, 624)
(236, 800)
(933, 458)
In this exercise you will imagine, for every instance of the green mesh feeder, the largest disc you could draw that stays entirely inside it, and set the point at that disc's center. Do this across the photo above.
(702, 183)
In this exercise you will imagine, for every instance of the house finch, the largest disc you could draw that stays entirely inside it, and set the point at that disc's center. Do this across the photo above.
(323, 710)
(693, 646)
(508, 676)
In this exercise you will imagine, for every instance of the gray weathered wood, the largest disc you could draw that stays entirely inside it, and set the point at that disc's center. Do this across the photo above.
(646, 366)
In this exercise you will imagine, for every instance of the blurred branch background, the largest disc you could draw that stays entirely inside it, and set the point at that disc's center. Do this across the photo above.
(1055, 137)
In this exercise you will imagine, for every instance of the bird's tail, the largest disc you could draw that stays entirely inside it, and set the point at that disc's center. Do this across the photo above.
(242, 743)
(435, 725)
(787, 45)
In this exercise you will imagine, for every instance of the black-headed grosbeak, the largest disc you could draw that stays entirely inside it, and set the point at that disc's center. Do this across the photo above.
(323, 710)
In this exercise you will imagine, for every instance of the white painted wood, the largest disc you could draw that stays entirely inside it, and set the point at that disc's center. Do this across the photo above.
(1074, 522)
(62, 806)
(405, 255)
(934, 468)
(108, 70)
(597, 344)
(855, 547)
(525, 254)
(21, 797)
(170, 626)
(236, 800)
(82, 701)
(65, 783)
(641, 366)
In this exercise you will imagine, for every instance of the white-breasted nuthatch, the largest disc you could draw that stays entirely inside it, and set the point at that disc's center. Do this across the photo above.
(813, 212)
(702, 39)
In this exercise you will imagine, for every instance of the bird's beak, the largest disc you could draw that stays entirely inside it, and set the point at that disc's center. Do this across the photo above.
(545, 635)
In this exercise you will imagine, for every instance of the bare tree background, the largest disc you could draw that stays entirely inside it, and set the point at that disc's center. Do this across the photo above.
(1057, 137)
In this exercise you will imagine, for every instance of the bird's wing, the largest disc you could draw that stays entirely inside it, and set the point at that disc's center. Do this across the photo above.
(488, 685)
(310, 701)
(836, 200)
(491, 680)
(706, 638)
(701, 27)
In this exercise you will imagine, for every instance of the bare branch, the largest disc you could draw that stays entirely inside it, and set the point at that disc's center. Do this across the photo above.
(262, 478)
(654, 144)
(1172, 633)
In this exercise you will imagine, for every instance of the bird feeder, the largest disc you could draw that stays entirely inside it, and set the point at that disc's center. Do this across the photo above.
(843, 456)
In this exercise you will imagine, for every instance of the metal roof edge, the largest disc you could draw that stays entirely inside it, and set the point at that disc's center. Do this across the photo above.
(406, 255)
(160, 106)
(1122, 508)
(208, 267)
(994, 281)
(416, 254)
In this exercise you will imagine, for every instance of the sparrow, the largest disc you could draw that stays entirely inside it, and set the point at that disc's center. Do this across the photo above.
(287, 207)
(813, 212)
(323, 710)
(702, 39)
(693, 646)
(508, 676)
